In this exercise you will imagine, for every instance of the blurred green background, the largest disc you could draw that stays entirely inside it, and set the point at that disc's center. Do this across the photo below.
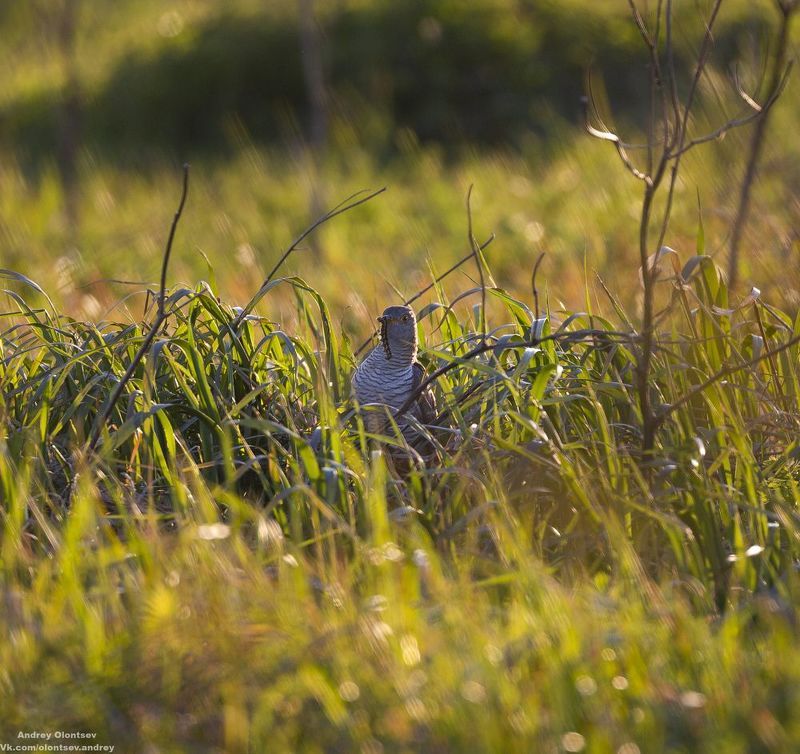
(285, 108)
(329, 605)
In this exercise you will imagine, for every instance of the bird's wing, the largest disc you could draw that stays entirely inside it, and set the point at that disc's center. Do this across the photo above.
(426, 401)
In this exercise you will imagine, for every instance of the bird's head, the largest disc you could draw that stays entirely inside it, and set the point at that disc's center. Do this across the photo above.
(399, 332)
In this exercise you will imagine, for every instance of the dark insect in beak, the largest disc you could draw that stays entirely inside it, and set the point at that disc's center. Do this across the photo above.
(385, 336)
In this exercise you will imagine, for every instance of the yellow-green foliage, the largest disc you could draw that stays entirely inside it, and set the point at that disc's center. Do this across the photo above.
(214, 579)
(547, 187)
(210, 578)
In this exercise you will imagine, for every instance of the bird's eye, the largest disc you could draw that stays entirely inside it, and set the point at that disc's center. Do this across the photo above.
(404, 318)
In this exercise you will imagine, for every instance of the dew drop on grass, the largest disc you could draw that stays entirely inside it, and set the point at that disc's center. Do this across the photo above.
(421, 559)
(170, 24)
(270, 533)
(392, 552)
(213, 531)
(693, 699)
(493, 653)
(410, 650)
(380, 632)
(349, 691)
(416, 708)
(534, 231)
(573, 741)
(701, 447)
(473, 692)
(403, 513)
(519, 721)
(372, 746)
(376, 603)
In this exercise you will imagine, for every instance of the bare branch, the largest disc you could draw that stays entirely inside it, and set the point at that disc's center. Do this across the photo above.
(760, 110)
(656, 77)
(723, 373)
(702, 59)
(776, 82)
(640, 25)
(673, 79)
(102, 418)
(615, 140)
(162, 288)
(678, 137)
(574, 336)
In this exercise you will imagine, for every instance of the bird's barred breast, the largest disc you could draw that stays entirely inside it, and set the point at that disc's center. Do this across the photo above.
(382, 385)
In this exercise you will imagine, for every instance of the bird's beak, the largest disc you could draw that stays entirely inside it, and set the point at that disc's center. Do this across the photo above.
(381, 319)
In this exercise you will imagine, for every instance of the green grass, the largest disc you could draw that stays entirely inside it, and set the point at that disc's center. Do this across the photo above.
(567, 198)
(211, 580)
(208, 582)
(555, 190)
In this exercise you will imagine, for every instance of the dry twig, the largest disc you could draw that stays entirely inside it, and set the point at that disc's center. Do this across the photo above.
(345, 206)
(161, 316)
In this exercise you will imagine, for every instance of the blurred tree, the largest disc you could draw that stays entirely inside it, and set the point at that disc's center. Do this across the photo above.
(487, 72)
(314, 76)
(59, 20)
(787, 10)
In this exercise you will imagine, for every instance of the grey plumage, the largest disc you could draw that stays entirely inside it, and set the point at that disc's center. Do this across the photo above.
(391, 373)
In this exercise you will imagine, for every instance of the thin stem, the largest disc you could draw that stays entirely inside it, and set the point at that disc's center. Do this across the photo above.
(777, 79)
(162, 288)
(760, 110)
(161, 316)
(533, 285)
(419, 294)
(723, 373)
(476, 253)
(345, 206)
(576, 335)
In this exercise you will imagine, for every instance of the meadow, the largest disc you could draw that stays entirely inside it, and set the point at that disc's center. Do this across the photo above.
(590, 560)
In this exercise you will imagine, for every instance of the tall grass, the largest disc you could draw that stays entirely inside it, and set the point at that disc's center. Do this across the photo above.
(202, 548)
(211, 581)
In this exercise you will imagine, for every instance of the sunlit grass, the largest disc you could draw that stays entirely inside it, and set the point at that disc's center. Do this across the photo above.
(563, 193)
(192, 567)
(210, 578)
(574, 203)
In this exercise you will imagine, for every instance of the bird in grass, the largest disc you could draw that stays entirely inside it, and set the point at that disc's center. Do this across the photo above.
(391, 374)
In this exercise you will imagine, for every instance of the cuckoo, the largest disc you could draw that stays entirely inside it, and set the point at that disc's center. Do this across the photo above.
(391, 374)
